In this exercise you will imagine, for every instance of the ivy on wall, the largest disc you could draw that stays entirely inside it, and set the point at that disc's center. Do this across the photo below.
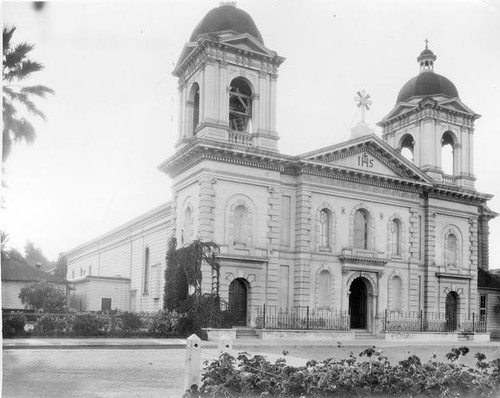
(184, 270)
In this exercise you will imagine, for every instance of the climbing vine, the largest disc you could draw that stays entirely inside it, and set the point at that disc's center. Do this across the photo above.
(184, 270)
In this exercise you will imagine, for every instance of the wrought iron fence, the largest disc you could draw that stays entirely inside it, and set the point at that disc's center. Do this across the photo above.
(420, 321)
(301, 318)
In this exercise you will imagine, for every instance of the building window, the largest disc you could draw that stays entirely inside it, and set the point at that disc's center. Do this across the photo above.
(396, 237)
(195, 92)
(105, 304)
(240, 224)
(187, 229)
(324, 228)
(482, 306)
(408, 147)
(146, 271)
(324, 289)
(361, 229)
(396, 293)
(240, 105)
(447, 154)
(451, 247)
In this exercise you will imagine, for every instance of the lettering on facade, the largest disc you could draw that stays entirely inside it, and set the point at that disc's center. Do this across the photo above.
(365, 161)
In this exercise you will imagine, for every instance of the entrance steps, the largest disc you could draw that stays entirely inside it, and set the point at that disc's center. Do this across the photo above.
(362, 334)
(246, 334)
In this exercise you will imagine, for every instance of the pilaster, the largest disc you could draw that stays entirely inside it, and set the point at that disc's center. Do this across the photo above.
(206, 207)
(302, 272)
(273, 239)
(430, 282)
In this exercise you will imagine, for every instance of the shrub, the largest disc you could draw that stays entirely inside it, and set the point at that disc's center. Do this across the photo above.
(52, 325)
(13, 325)
(162, 324)
(373, 376)
(89, 325)
(45, 296)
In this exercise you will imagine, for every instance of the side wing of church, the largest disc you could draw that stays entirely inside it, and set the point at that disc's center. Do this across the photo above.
(368, 230)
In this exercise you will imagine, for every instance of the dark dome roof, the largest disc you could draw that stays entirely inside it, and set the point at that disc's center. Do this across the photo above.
(227, 17)
(427, 83)
(426, 52)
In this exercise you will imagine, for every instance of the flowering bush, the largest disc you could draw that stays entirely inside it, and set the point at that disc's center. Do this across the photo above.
(13, 325)
(52, 325)
(247, 376)
(162, 324)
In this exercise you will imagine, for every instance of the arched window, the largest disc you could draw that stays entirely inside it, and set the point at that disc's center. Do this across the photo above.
(194, 108)
(408, 147)
(361, 229)
(396, 293)
(187, 233)
(447, 154)
(324, 228)
(241, 224)
(451, 248)
(324, 289)
(146, 271)
(240, 105)
(396, 237)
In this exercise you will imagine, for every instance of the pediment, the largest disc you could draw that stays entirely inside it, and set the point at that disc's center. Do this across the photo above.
(247, 42)
(400, 109)
(457, 105)
(370, 155)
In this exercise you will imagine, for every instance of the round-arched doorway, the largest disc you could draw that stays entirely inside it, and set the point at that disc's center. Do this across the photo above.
(238, 293)
(451, 311)
(358, 304)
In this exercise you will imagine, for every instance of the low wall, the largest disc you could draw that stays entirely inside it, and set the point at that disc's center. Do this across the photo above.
(306, 335)
(480, 337)
(216, 334)
(419, 336)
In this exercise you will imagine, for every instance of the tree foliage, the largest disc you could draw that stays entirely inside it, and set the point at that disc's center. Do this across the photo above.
(44, 296)
(184, 270)
(19, 99)
(33, 256)
(61, 266)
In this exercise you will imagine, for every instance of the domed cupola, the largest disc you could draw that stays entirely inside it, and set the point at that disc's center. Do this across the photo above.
(427, 83)
(432, 127)
(226, 18)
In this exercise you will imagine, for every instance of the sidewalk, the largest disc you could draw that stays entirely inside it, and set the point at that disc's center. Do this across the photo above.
(246, 344)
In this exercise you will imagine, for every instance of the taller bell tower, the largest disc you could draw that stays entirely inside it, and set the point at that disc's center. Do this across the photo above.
(227, 82)
(432, 126)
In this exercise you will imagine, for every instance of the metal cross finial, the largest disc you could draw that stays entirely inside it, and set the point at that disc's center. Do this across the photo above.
(426, 43)
(363, 102)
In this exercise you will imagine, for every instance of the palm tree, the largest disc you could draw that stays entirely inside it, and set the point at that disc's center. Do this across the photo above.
(16, 68)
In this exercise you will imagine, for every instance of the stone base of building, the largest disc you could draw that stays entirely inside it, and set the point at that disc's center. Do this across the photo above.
(306, 335)
(426, 337)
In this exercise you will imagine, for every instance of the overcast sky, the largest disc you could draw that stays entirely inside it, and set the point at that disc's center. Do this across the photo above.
(113, 118)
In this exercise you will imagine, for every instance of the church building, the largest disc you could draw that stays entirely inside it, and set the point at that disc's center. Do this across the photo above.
(366, 227)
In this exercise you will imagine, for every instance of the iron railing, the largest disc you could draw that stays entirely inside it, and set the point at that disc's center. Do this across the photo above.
(420, 321)
(301, 318)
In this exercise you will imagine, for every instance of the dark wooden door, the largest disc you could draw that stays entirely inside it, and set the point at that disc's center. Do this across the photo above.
(451, 311)
(358, 307)
(238, 302)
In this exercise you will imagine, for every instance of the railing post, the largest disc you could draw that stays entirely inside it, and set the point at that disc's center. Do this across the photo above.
(421, 321)
(307, 322)
(264, 316)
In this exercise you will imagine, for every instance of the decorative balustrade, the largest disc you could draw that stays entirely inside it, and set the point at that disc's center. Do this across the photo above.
(240, 138)
(449, 180)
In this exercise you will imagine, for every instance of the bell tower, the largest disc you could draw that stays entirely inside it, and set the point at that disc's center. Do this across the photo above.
(432, 127)
(227, 82)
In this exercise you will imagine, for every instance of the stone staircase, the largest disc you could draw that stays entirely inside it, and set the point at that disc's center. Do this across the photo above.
(246, 334)
(362, 334)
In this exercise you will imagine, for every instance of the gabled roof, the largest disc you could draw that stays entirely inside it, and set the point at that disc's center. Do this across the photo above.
(14, 269)
(384, 161)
